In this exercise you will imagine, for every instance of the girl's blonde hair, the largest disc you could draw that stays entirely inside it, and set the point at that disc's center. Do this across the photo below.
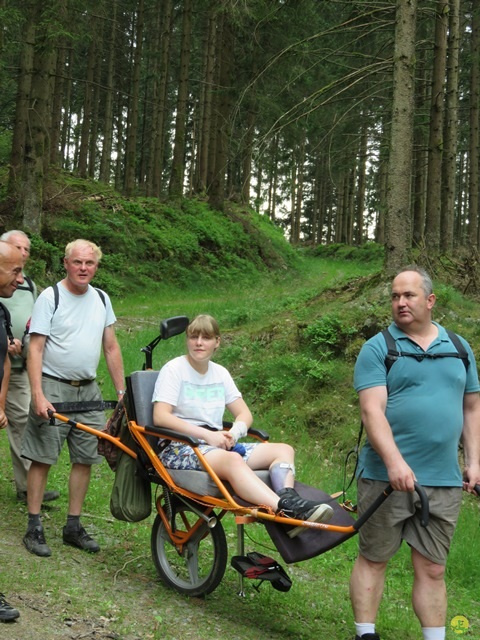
(204, 325)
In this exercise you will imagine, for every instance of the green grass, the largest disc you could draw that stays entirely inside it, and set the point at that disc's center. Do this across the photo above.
(297, 376)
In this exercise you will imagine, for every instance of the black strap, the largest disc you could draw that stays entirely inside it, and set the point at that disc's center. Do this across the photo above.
(352, 452)
(80, 407)
(27, 285)
(8, 323)
(393, 354)
(56, 296)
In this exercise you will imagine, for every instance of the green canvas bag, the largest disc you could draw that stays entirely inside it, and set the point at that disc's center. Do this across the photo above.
(131, 498)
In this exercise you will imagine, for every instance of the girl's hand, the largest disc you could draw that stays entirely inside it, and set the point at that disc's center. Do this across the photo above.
(218, 439)
(231, 442)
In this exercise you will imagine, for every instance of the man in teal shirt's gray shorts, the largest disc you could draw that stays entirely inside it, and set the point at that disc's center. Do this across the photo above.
(414, 416)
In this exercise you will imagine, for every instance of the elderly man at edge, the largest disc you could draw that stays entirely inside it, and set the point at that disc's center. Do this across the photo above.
(20, 306)
(414, 420)
(65, 347)
(10, 278)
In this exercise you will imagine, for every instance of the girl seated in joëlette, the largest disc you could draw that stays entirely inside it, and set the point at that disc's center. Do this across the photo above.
(192, 391)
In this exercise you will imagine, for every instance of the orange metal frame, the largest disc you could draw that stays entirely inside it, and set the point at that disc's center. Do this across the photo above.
(209, 503)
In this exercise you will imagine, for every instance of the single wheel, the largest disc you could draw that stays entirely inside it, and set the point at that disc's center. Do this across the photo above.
(196, 567)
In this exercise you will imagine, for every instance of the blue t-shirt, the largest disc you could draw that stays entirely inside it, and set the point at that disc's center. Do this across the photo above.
(424, 406)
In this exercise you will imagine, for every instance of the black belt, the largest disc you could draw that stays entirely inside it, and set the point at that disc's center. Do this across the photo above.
(73, 383)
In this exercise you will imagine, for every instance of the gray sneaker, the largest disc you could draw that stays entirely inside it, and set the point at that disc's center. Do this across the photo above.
(34, 540)
(294, 506)
(368, 636)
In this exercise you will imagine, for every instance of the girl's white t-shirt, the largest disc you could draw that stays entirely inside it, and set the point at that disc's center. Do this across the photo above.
(198, 399)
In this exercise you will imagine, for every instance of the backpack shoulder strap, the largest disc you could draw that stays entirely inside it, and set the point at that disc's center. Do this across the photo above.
(29, 282)
(56, 296)
(27, 285)
(8, 322)
(392, 352)
(457, 343)
(102, 296)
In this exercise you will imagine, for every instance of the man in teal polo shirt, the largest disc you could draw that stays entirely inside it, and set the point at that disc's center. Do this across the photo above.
(414, 416)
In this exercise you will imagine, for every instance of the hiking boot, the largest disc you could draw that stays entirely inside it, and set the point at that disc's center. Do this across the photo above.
(35, 542)
(368, 636)
(48, 496)
(80, 538)
(7, 612)
(294, 506)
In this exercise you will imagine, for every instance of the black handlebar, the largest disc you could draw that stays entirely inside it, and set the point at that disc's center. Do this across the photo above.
(424, 506)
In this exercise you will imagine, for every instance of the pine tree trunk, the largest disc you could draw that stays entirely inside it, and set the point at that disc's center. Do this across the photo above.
(155, 186)
(67, 115)
(87, 103)
(473, 159)
(435, 143)
(132, 120)
(216, 190)
(30, 201)
(107, 133)
(420, 161)
(398, 226)
(361, 185)
(154, 97)
(58, 98)
(23, 101)
(177, 173)
(205, 106)
(449, 167)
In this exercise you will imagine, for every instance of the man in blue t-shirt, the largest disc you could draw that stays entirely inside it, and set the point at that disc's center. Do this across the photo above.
(414, 416)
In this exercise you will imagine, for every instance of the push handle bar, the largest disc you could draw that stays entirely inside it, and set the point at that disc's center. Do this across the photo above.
(424, 506)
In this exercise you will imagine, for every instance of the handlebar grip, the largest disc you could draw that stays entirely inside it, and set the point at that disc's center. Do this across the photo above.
(477, 489)
(425, 509)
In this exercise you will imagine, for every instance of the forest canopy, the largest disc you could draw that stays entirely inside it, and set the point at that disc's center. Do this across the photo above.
(341, 121)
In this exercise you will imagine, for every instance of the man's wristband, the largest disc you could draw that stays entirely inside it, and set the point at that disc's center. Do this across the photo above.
(121, 392)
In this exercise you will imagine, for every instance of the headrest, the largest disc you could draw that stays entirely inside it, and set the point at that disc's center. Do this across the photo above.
(142, 385)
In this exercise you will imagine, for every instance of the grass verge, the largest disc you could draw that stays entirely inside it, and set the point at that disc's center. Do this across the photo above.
(116, 594)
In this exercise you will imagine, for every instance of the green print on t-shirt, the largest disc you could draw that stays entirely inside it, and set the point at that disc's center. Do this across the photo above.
(205, 393)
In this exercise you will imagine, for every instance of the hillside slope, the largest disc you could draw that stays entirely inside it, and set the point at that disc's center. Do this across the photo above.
(146, 241)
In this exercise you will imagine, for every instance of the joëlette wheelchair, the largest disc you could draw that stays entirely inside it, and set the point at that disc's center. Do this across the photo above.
(188, 541)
